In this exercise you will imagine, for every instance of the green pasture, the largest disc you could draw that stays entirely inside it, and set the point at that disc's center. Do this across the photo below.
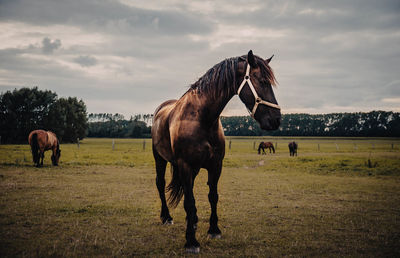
(338, 197)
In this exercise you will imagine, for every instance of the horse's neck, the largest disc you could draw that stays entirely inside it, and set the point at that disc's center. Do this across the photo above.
(210, 106)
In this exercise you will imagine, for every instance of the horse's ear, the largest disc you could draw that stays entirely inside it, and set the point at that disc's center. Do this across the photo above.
(251, 60)
(269, 59)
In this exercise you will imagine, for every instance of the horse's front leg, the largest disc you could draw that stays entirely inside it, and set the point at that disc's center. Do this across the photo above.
(213, 176)
(53, 157)
(189, 174)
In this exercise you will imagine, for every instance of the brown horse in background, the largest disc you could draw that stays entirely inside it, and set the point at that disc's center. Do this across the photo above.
(188, 133)
(41, 141)
(266, 145)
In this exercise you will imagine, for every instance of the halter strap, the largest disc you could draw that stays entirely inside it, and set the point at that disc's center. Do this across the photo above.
(257, 99)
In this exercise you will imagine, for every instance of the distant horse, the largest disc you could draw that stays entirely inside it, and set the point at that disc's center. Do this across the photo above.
(42, 141)
(265, 145)
(293, 148)
(188, 133)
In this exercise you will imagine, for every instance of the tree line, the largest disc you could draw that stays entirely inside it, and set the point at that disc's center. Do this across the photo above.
(27, 109)
(116, 126)
(375, 123)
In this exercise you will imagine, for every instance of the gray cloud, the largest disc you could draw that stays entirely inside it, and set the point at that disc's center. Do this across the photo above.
(86, 61)
(102, 15)
(49, 46)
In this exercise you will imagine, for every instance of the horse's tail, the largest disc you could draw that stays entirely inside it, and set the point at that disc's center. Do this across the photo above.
(273, 149)
(35, 148)
(175, 187)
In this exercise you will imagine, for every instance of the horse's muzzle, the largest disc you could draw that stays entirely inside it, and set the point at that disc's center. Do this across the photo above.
(270, 124)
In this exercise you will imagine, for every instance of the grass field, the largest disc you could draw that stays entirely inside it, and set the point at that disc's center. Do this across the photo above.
(338, 197)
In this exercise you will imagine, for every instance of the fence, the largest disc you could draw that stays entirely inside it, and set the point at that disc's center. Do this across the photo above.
(316, 145)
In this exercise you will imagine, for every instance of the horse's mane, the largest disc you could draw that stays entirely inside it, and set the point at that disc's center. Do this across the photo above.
(214, 81)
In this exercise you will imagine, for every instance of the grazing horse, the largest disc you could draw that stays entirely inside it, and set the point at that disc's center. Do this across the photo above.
(188, 133)
(293, 148)
(42, 141)
(265, 145)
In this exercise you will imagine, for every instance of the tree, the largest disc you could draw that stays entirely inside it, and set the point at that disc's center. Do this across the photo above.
(22, 111)
(68, 119)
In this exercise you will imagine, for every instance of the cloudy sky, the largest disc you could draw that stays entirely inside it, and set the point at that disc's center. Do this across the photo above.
(128, 56)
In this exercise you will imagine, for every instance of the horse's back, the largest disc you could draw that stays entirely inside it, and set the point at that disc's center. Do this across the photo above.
(161, 115)
(160, 129)
(45, 139)
(164, 104)
(39, 133)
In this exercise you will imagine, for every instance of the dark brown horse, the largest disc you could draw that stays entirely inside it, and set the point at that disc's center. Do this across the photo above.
(265, 145)
(188, 133)
(42, 141)
(293, 148)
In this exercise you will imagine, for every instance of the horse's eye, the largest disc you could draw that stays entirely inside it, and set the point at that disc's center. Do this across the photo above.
(263, 82)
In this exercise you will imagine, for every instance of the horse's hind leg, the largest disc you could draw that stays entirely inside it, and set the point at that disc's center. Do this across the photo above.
(41, 158)
(213, 177)
(161, 164)
(37, 159)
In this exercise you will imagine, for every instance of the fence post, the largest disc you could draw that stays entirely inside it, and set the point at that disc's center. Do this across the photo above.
(230, 143)
(392, 143)
(144, 145)
(113, 143)
(77, 139)
(318, 146)
(337, 146)
(276, 145)
(254, 145)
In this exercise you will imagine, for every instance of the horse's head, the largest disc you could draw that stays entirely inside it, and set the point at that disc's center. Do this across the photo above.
(256, 92)
(56, 157)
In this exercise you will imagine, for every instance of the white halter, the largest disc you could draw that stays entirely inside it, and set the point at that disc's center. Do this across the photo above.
(257, 99)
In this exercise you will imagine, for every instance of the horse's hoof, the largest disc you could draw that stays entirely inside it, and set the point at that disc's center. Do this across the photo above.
(214, 236)
(168, 222)
(193, 249)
